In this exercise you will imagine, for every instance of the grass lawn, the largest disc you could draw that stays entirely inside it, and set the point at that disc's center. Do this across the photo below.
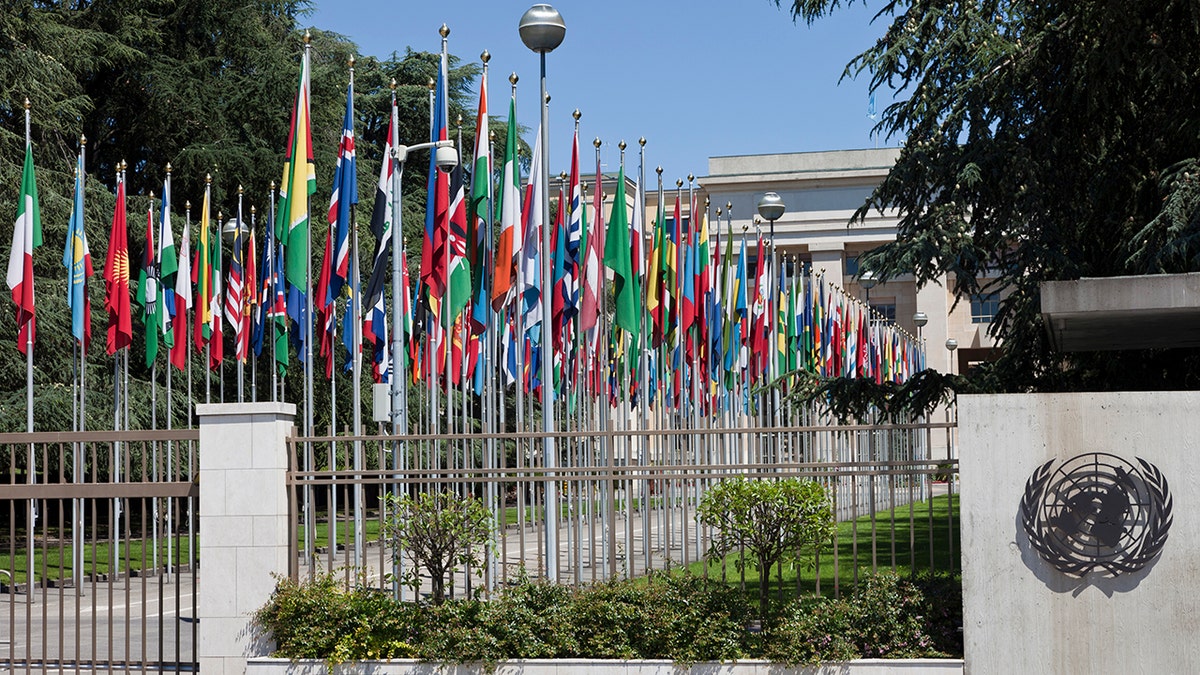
(839, 574)
(54, 562)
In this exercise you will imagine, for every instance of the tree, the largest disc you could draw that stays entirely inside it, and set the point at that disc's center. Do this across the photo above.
(441, 533)
(1041, 141)
(771, 519)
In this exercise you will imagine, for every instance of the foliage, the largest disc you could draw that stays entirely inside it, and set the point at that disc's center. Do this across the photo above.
(1041, 141)
(442, 533)
(773, 520)
(321, 620)
(666, 616)
(847, 398)
(888, 617)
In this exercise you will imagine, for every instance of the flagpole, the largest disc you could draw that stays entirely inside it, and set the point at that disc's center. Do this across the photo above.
(356, 361)
(644, 370)
(164, 222)
(273, 292)
(236, 320)
(309, 518)
(399, 414)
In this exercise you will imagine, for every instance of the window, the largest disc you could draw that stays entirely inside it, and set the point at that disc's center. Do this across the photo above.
(984, 307)
(884, 311)
(851, 265)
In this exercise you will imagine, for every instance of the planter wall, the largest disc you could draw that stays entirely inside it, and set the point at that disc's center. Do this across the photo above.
(268, 666)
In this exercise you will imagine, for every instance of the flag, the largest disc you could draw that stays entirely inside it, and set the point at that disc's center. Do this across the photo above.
(325, 306)
(149, 293)
(574, 235)
(235, 287)
(531, 268)
(183, 299)
(616, 257)
(437, 213)
(202, 274)
(216, 327)
(508, 248)
(78, 261)
(116, 279)
(249, 293)
(293, 220)
(381, 228)
(480, 241)
(27, 235)
(458, 285)
(345, 195)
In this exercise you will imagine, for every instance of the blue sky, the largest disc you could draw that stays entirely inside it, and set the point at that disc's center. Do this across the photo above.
(697, 79)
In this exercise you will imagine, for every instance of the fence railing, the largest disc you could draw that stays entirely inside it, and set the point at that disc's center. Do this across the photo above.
(98, 555)
(626, 500)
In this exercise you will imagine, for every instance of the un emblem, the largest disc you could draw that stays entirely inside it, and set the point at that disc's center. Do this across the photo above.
(1097, 512)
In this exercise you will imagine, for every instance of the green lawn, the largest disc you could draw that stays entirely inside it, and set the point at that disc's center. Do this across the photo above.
(55, 561)
(912, 552)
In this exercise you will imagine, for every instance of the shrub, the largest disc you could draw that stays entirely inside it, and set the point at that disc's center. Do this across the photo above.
(441, 533)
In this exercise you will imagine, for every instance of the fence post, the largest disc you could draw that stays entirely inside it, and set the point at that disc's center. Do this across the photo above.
(243, 525)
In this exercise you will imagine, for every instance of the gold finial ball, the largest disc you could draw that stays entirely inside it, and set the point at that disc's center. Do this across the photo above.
(583, 186)
(728, 205)
(562, 175)
(220, 216)
(707, 201)
(485, 56)
(152, 195)
(239, 189)
(604, 195)
(460, 119)
(393, 84)
(27, 103)
(432, 84)
(678, 182)
(757, 220)
(658, 170)
(444, 31)
(547, 97)
(512, 79)
(83, 141)
(351, 61)
(642, 141)
(208, 178)
(577, 114)
(253, 210)
(718, 212)
(272, 186)
(123, 165)
(621, 145)
(691, 178)
(491, 134)
(169, 167)
(597, 142)
(188, 205)
(307, 36)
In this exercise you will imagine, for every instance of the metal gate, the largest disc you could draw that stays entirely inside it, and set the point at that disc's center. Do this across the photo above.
(99, 551)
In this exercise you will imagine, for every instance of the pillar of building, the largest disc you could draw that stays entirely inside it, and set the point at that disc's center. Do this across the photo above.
(829, 259)
(243, 524)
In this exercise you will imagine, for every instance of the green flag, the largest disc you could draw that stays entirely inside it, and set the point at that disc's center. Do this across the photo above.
(616, 257)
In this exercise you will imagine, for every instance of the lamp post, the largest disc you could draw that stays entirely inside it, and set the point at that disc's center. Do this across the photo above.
(542, 30)
(951, 345)
(868, 281)
(920, 319)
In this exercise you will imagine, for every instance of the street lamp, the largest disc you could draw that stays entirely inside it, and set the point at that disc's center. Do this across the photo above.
(868, 281)
(771, 208)
(920, 319)
(446, 158)
(542, 30)
(951, 345)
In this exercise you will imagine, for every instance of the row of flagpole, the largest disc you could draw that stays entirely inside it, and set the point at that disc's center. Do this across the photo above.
(541, 301)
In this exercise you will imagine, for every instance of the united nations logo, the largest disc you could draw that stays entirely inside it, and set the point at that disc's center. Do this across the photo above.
(1097, 512)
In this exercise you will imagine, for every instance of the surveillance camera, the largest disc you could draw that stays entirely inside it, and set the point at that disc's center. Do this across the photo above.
(446, 159)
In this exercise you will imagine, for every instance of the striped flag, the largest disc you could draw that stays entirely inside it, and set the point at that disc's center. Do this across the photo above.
(27, 235)
(293, 218)
(375, 328)
(508, 248)
(235, 286)
(202, 275)
(183, 299)
(345, 194)
(78, 261)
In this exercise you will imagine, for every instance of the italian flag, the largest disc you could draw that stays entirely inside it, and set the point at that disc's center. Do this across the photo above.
(27, 235)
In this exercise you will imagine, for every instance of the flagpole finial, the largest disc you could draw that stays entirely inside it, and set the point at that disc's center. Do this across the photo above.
(253, 210)
(239, 190)
(718, 212)
(123, 165)
(678, 182)
(187, 205)
(621, 145)
(444, 31)
(707, 201)
(577, 114)
(272, 186)
(169, 167)
(351, 62)
(27, 103)
(485, 56)
(691, 178)
(729, 206)
(393, 85)
(207, 178)
(513, 78)
(459, 120)
(642, 141)
(757, 220)
(562, 175)
(82, 139)
(152, 195)
(658, 170)
(307, 36)
(220, 216)
(492, 136)
(597, 142)
(432, 84)
(547, 98)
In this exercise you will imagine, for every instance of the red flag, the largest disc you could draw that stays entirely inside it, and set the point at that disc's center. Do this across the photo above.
(116, 279)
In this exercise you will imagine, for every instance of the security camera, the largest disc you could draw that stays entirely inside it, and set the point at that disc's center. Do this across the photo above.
(446, 159)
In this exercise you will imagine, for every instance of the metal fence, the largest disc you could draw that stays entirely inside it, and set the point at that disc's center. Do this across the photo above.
(625, 500)
(98, 561)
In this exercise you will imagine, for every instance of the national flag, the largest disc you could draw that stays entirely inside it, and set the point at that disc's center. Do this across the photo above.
(531, 267)
(293, 218)
(325, 306)
(235, 287)
(116, 279)
(78, 261)
(437, 213)
(458, 285)
(381, 229)
(216, 323)
(249, 293)
(183, 299)
(616, 257)
(574, 237)
(202, 274)
(27, 235)
(345, 195)
(149, 294)
(508, 247)
(479, 241)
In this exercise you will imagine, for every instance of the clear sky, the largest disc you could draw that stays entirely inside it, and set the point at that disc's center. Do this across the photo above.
(697, 78)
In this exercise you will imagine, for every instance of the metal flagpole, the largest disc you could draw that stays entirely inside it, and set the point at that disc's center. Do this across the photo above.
(356, 360)
(309, 517)
(240, 252)
(399, 413)
(77, 449)
(208, 345)
(270, 302)
(32, 477)
(252, 292)
(165, 222)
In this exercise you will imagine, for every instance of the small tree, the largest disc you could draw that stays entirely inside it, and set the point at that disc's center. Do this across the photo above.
(441, 533)
(772, 519)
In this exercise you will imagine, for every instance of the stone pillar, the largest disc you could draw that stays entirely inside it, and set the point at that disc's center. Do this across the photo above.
(243, 525)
